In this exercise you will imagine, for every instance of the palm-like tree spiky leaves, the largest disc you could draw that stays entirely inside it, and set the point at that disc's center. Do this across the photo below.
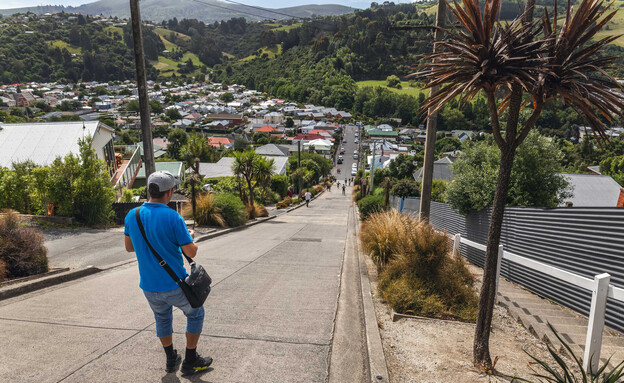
(577, 73)
(484, 55)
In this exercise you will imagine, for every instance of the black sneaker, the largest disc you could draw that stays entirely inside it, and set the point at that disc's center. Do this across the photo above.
(174, 363)
(200, 364)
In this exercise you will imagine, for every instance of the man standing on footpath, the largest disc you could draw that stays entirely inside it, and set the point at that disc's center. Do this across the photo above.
(307, 197)
(167, 233)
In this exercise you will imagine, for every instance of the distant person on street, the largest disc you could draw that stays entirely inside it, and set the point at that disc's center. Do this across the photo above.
(338, 183)
(343, 189)
(167, 233)
(307, 197)
(290, 193)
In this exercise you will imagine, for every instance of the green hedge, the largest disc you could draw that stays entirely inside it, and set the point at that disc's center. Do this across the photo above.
(370, 204)
(232, 209)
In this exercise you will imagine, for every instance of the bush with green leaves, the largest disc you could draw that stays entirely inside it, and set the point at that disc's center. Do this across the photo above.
(279, 184)
(371, 204)
(232, 209)
(406, 188)
(536, 178)
(77, 186)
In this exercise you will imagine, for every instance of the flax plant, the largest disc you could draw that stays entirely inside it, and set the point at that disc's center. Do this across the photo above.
(516, 65)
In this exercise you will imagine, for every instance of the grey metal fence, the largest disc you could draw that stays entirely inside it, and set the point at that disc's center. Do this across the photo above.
(585, 241)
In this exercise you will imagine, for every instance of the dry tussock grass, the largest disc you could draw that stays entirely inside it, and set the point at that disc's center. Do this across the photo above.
(418, 274)
(206, 212)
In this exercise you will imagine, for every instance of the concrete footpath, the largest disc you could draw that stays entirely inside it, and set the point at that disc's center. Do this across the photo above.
(270, 316)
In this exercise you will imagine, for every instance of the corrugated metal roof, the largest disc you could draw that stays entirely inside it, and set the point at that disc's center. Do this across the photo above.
(43, 142)
(174, 167)
(593, 190)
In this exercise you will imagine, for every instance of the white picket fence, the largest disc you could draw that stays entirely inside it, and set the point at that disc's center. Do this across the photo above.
(600, 287)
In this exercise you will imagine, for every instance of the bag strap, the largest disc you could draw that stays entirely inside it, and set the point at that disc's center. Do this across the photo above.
(161, 261)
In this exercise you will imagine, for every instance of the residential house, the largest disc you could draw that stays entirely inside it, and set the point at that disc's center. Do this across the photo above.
(274, 118)
(42, 142)
(441, 170)
(592, 190)
(175, 167)
(389, 135)
(272, 150)
(217, 141)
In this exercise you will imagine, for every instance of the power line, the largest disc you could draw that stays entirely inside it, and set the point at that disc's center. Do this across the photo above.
(254, 7)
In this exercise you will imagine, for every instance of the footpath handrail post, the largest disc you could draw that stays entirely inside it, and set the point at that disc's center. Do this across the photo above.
(401, 206)
(456, 242)
(593, 342)
(498, 268)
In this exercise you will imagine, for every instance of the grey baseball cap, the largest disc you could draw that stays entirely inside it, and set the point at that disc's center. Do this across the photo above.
(164, 180)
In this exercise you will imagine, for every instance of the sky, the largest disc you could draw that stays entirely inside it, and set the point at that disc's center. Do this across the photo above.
(261, 3)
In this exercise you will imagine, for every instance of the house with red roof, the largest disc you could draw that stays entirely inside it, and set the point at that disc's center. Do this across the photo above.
(267, 129)
(218, 141)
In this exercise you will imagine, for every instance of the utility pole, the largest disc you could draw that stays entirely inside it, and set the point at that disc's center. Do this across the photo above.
(432, 126)
(139, 57)
(299, 164)
(372, 182)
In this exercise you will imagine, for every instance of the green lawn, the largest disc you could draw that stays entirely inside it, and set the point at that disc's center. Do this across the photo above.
(164, 32)
(280, 27)
(271, 52)
(116, 30)
(405, 87)
(70, 48)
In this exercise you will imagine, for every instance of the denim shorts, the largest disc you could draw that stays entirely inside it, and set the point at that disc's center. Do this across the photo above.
(162, 303)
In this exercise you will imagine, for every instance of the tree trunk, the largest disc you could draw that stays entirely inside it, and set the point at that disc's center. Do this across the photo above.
(487, 299)
(251, 196)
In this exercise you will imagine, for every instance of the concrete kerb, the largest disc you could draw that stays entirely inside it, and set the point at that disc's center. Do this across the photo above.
(376, 356)
(37, 284)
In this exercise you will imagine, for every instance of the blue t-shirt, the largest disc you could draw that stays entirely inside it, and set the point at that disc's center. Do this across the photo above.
(167, 232)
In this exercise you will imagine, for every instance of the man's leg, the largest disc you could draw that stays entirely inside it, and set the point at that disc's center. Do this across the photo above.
(163, 314)
(193, 362)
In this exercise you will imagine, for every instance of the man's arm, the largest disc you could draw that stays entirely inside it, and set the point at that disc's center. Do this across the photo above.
(128, 243)
(190, 250)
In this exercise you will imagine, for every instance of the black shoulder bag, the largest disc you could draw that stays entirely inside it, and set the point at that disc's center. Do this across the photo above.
(196, 286)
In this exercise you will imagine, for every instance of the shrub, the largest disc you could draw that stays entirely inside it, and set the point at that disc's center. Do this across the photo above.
(406, 188)
(279, 184)
(261, 211)
(381, 235)
(357, 196)
(22, 252)
(205, 210)
(287, 201)
(319, 188)
(371, 204)
(423, 278)
(296, 201)
(232, 209)
(280, 205)
(560, 371)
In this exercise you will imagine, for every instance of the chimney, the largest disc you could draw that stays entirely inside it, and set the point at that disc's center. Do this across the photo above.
(620, 202)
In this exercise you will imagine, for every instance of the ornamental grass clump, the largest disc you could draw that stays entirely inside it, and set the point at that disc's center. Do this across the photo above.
(206, 212)
(381, 234)
(22, 252)
(418, 274)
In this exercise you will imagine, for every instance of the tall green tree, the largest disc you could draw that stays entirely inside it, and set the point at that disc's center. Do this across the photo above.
(529, 63)
(536, 178)
(176, 138)
(253, 169)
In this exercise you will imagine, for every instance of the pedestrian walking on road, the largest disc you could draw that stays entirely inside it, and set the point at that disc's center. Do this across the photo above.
(308, 196)
(343, 189)
(166, 231)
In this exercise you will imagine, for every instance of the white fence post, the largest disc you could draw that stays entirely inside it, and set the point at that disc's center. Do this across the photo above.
(456, 242)
(498, 267)
(593, 342)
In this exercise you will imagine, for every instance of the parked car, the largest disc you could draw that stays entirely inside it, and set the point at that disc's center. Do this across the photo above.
(342, 151)
(355, 156)
(339, 160)
(354, 172)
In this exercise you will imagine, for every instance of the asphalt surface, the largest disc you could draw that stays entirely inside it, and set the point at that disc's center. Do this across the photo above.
(270, 317)
(350, 146)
